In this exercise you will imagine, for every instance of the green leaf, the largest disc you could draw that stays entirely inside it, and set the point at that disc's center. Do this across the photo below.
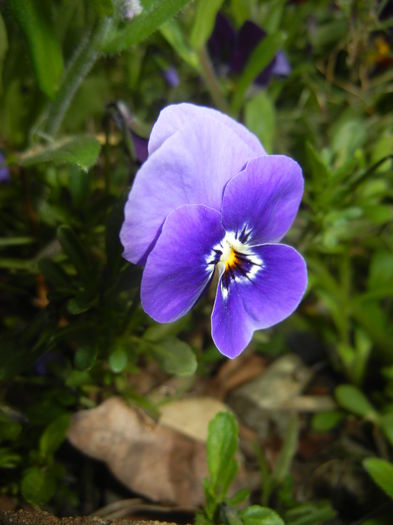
(260, 118)
(204, 22)
(54, 435)
(259, 59)
(54, 274)
(79, 186)
(74, 250)
(231, 516)
(37, 486)
(256, 515)
(8, 458)
(173, 34)
(382, 473)
(200, 519)
(326, 420)
(34, 18)
(82, 302)
(15, 241)
(103, 7)
(283, 464)
(80, 150)
(175, 356)
(386, 423)
(348, 134)
(154, 13)
(240, 496)
(221, 449)
(272, 21)
(328, 34)
(382, 149)
(118, 360)
(240, 11)
(85, 357)
(381, 271)
(319, 171)
(353, 400)
(3, 48)
(9, 429)
(158, 332)
(18, 264)
(313, 513)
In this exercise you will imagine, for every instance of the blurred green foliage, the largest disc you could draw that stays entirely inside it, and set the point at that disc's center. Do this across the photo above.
(72, 330)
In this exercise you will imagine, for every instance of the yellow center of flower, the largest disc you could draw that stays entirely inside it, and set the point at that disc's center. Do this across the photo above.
(231, 259)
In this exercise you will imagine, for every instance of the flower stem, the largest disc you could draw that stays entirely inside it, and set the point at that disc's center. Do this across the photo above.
(211, 81)
(80, 65)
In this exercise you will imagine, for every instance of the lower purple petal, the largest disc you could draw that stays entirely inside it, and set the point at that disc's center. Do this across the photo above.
(264, 298)
(177, 270)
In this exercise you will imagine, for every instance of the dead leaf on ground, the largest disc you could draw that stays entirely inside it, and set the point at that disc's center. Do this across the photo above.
(149, 458)
(192, 415)
(233, 373)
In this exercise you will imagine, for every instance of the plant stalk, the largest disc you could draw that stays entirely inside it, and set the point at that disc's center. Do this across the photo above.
(211, 81)
(80, 65)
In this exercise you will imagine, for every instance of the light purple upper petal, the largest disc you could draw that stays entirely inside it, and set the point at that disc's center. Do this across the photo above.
(263, 199)
(191, 167)
(177, 269)
(259, 301)
(175, 117)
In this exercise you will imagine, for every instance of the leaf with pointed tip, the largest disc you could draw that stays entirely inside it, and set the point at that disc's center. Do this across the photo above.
(143, 24)
(34, 19)
(80, 150)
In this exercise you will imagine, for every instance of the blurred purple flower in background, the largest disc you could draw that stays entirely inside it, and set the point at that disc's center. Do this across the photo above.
(171, 76)
(230, 50)
(140, 147)
(4, 171)
(209, 199)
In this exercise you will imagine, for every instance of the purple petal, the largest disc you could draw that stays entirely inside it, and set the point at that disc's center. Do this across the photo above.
(171, 76)
(4, 171)
(191, 167)
(221, 43)
(262, 201)
(180, 266)
(140, 147)
(281, 68)
(266, 74)
(247, 39)
(265, 298)
(175, 117)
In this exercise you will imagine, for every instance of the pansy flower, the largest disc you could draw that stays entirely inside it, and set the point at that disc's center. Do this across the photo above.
(209, 199)
(230, 50)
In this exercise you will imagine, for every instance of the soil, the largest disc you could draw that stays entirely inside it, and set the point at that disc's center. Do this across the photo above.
(38, 517)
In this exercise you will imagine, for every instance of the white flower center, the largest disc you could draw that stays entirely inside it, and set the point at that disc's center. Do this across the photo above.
(235, 260)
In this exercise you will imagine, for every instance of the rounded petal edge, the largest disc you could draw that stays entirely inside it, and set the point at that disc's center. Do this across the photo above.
(179, 267)
(265, 297)
(174, 117)
(191, 167)
(263, 199)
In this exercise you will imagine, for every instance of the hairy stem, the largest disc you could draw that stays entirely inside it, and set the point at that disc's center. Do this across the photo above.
(80, 65)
